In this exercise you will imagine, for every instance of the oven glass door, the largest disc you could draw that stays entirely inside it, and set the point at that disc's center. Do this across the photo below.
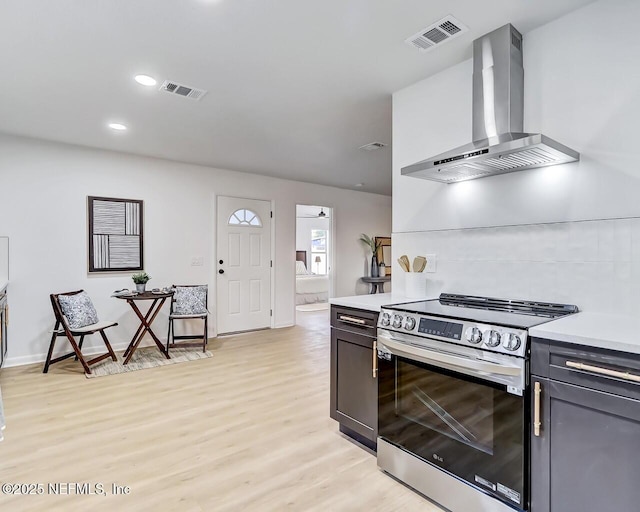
(472, 428)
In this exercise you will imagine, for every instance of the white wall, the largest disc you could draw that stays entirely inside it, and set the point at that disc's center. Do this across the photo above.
(4, 260)
(43, 211)
(582, 88)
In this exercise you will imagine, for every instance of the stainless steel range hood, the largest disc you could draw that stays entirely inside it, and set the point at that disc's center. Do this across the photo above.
(499, 145)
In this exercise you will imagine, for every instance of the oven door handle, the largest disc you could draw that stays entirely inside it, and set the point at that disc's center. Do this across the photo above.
(430, 357)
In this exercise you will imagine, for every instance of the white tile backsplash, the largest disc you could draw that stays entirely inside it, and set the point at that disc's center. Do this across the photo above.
(635, 239)
(606, 240)
(635, 283)
(583, 241)
(594, 264)
(622, 236)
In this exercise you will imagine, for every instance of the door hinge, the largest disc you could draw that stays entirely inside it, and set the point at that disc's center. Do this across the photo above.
(271, 264)
(271, 214)
(271, 312)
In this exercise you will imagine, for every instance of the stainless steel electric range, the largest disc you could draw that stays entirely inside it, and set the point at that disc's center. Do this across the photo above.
(453, 421)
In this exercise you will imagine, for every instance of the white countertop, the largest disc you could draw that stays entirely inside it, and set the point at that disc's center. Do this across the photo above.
(613, 332)
(608, 331)
(373, 302)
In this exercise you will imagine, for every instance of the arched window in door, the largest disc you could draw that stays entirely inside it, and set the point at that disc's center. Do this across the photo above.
(244, 217)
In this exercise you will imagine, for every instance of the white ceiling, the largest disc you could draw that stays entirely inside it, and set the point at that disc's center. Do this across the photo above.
(295, 86)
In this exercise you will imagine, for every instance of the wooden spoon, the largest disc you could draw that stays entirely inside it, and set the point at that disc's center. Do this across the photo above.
(407, 263)
(403, 261)
(419, 263)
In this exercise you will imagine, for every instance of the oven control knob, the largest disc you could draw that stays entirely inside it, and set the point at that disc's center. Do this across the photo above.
(474, 335)
(397, 321)
(386, 319)
(493, 339)
(409, 323)
(511, 341)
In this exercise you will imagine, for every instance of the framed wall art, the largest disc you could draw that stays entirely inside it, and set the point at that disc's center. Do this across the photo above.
(115, 234)
(384, 252)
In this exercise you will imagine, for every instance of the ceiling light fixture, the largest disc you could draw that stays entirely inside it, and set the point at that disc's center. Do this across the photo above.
(147, 80)
(359, 185)
(117, 126)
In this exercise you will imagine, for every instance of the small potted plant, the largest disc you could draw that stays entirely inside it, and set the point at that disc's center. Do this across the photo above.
(140, 279)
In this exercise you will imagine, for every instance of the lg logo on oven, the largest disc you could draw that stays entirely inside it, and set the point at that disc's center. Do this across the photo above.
(437, 457)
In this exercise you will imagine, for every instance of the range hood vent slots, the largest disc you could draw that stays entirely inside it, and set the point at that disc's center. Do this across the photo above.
(436, 34)
(499, 143)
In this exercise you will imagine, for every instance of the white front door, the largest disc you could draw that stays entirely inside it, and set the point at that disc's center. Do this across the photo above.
(244, 264)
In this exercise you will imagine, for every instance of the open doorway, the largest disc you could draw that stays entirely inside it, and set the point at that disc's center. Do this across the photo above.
(314, 261)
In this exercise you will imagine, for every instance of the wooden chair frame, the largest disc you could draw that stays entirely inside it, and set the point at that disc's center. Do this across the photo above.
(62, 329)
(203, 339)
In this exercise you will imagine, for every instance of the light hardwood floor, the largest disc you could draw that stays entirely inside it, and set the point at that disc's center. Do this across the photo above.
(245, 430)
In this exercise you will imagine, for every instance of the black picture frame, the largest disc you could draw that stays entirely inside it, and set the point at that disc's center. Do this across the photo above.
(116, 234)
(384, 252)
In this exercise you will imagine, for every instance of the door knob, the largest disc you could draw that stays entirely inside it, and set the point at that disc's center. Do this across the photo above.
(220, 271)
(221, 262)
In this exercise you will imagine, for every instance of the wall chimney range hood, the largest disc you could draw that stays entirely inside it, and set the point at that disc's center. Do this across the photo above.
(499, 145)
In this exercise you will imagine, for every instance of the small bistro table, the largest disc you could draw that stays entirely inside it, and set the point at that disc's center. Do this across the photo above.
(377, 283)
(145, 320)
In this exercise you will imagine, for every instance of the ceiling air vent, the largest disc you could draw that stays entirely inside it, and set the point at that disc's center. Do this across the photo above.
(372, 146)
(182, 90)
(437, 34)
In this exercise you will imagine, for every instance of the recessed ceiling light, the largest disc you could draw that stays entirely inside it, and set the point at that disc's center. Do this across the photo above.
(359, 185)
(117, 126)
(145, 80)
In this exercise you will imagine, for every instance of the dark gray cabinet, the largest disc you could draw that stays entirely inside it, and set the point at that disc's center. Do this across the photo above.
(584, 457)
(4, 319)
(354, 383)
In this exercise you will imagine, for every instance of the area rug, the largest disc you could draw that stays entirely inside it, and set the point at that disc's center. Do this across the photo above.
(313, 307)
(148, 357)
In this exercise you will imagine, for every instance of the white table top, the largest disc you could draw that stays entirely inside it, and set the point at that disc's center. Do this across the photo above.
(373, 302)
(613, 332)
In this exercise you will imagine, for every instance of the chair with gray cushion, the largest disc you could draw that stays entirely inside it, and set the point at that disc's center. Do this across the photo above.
(189, 302)
(76, 316)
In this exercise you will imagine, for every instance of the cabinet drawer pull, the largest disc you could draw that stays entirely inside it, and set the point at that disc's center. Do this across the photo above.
(352, 320)
(603, 371)
(537, 390)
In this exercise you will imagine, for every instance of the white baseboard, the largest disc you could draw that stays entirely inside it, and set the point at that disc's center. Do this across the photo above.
(40, 358)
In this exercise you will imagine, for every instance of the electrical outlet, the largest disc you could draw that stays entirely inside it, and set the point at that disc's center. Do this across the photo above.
(431, 263)
(197, 261)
